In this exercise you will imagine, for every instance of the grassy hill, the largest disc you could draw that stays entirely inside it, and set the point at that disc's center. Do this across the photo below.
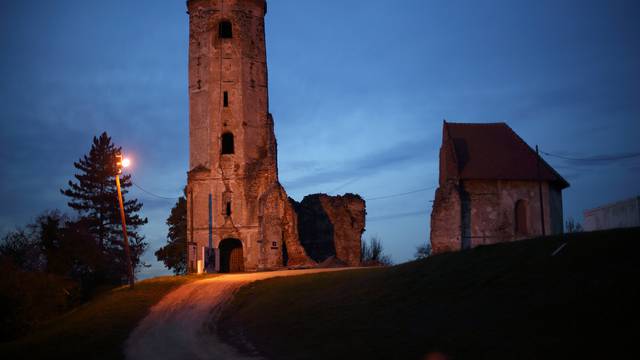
(97, 329)
(505, 301)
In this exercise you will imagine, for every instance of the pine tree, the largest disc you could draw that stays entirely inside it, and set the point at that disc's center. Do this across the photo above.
(174, 253)
(94, 196)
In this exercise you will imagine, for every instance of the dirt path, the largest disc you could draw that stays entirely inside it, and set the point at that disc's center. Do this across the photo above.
(182, 324)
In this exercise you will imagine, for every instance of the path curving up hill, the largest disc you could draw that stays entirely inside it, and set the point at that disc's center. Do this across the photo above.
(182, 324)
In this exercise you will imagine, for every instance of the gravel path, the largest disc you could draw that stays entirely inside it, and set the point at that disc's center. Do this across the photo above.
(182, 324)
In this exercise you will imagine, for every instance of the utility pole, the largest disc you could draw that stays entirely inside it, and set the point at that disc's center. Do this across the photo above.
(540, 192)
(120, 163)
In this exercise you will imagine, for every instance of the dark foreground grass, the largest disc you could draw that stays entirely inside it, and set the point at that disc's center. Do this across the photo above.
(506, 301)
(97, 329)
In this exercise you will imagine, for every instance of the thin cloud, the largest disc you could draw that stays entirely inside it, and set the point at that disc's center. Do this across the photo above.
(399, 154)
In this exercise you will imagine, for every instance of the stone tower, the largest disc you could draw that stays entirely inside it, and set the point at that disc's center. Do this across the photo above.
(238, 215)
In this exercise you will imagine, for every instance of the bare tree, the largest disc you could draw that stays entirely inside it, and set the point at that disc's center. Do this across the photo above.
(573, 226)
(423, 251)
(372, 253)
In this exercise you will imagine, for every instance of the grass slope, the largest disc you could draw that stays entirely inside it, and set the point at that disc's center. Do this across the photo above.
(505, 301)
(97, 329)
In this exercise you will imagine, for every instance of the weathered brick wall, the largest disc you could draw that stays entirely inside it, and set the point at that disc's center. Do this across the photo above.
(445, 219)
(331, 226)
(279, 233)
(492, 213)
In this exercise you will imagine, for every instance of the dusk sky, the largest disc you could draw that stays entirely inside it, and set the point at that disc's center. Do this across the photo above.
(358, 91)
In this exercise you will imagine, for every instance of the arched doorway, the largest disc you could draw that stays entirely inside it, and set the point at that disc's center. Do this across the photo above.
(231, 257)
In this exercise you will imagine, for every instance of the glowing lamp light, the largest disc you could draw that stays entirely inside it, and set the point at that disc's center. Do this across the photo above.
(121, 163)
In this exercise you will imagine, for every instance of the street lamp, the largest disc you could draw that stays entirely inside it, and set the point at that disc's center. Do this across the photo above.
(121, 163)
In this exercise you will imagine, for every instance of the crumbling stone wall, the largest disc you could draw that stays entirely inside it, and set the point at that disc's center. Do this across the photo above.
(331, 226)
(446, 219)
(278, 227)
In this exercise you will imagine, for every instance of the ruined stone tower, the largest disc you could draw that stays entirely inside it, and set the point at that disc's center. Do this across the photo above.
(239, 217)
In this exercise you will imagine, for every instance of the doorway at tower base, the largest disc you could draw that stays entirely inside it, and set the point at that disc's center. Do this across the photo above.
(231, 259)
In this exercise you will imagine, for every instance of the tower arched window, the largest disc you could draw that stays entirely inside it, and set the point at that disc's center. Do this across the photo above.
(227, 143)
(521, 216)
(225, 30)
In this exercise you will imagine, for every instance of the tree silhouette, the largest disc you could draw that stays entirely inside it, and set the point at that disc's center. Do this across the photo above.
(94, 196)
(173, 255)
(372, 253)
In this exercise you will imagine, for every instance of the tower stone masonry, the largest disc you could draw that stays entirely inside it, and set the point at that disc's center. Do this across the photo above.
(239, 217)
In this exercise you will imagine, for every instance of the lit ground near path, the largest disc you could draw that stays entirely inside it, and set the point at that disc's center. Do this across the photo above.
(182, 324)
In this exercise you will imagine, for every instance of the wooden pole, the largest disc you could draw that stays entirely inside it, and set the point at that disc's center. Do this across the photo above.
(540, 193)
(127, 252)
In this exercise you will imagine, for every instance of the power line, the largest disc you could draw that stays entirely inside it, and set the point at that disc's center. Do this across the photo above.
(351, 181)
(400, 194)
(594, 158)
(396, 216)
(152, 194)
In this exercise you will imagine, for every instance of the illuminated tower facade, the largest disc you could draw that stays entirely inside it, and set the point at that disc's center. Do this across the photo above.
(238, 216)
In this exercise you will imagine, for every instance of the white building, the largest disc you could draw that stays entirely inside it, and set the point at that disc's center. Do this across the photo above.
(620, 214)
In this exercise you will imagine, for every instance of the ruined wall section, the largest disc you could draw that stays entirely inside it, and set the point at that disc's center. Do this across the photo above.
(331, 226)
(280, 245)
(315, 229)
(446, 219)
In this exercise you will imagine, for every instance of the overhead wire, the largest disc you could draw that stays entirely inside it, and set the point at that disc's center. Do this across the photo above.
(349, 182)
(400, 194)
(594, 158)
(397, 216)
(152, 194)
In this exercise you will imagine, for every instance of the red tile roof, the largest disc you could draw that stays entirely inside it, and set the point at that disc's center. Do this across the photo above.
(495, 151)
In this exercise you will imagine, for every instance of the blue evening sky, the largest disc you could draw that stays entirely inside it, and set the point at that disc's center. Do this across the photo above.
(358, 90)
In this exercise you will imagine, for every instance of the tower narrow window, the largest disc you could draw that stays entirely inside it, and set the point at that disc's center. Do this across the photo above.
(521, 218)
(225, 30)
(228, 208)
(227, 143)
(225, 99)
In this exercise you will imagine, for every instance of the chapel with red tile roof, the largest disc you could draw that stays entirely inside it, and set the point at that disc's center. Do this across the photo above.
(493, 187)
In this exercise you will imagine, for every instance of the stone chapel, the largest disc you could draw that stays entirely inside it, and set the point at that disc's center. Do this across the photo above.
(493, 187)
